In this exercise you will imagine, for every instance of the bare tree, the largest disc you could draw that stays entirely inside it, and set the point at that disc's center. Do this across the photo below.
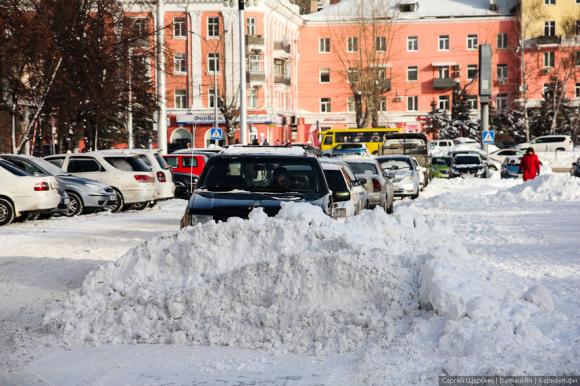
(363, 45)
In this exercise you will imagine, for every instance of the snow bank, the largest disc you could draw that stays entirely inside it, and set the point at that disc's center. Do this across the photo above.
(300, 282)
(550, 187)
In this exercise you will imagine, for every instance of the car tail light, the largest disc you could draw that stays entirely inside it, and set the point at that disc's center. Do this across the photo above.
(376, 185)
(41, 186)
(161, 177)
(142, 178)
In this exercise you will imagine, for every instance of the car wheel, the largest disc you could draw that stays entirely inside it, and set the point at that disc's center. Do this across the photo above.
(119, 204)
(152, 204)
(33, 216)
(75, 207)
(140, 205)
(390, 208)
(415, 196)
(6, 212)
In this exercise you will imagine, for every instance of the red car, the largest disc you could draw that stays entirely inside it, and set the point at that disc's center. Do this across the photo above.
(186, 163)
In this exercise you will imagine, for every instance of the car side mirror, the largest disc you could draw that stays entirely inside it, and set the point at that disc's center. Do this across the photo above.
(362, 181)
(341, 196)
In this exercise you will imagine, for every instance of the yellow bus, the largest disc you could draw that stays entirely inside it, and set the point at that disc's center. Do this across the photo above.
(373, 138)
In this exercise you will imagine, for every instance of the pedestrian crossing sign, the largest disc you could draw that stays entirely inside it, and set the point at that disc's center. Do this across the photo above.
(488, 137)
(216, 134)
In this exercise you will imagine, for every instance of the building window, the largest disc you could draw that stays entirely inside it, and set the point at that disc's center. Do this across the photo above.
(179, 64)
(412, 103)
(551, 2)
(382, 103)
(412, 43)
(324, 45)
(502, 72)
(577, 27)
(211, 97)
(380, 73)
(251, 26)
(443, 42)
(180, 99)
(577, 90)
(325, 105)
(279, 67)
(578, 57)
(380, 43)
(213, 62)
(325, 75)
(179, 27)
(412, 73)
(549, 28)
(443, 72)
(351, 108)
(213, 27)
(253, 98)
(352, 44)
(352, 74)
(444, 103)
(501, 102)
(471, 71)
(472, 102)
(471, 42)
(502, 41)
(549, 59)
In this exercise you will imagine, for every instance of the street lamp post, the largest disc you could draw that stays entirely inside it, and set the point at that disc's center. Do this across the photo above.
(131, 143)
(242, 48)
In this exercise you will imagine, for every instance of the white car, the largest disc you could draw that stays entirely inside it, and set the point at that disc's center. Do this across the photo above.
(358, 186)
(422, 172)
(549, 143)
(501, 154)
(346, 200)
(465, 141)
(440, 146)
(130, 178)
(164, 186)
(22, 193)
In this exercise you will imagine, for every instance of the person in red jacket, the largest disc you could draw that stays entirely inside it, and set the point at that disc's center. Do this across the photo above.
(530, 165)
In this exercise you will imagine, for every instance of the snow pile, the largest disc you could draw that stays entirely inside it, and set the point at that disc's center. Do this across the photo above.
(300, 282)
(550, 187)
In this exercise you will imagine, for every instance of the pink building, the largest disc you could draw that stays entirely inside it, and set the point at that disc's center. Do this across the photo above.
(430, 45)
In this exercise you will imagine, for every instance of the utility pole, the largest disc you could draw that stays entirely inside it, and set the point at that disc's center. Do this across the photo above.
(130, 143)
(215, 104)
(485, 86)
(162, 112)
(242, 47)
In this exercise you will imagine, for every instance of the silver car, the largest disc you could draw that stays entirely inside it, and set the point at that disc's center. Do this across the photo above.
(85, 195)
(380, 189)
(404, 174)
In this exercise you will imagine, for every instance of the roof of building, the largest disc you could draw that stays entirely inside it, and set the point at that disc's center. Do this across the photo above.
(349, 9)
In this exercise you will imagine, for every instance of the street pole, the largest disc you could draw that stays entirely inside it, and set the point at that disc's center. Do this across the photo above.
(131, 144)
(242, 47)
(215, 104)
(161, 113)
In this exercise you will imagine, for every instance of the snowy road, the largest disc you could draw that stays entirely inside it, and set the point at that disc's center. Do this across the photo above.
(502, 278)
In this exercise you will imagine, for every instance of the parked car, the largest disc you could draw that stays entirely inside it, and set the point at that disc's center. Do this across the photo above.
(440, 146)
(411, 144)
(510, 167)
(347, 149)
(232, 185)
(575, 169)
(422, 173)
(441, 166)
(549, 143)
(469, 164)
(358, 187)
(131, 179)
(493, 165)
(342, 186)
(84, 195)
(465, 141)
(405, 175)
(188, 163)
(164, 186)
(184, 184)
(379, 188)
(502, 154)
(22, 193)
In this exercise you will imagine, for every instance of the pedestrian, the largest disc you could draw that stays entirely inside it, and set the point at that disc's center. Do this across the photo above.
(530, 165)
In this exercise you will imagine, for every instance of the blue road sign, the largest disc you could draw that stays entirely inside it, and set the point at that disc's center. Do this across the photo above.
(488, 137)
(216, 134)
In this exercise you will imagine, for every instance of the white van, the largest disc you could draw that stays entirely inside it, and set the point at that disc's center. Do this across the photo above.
(131, 179)
(21, 193)
(440, 145)
(549, 143)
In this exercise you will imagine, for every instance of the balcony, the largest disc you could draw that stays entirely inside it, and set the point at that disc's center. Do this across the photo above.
(544, 41)
(442, 83)
(282, 46)
(254, 40)
(385, 85)
(282, 79)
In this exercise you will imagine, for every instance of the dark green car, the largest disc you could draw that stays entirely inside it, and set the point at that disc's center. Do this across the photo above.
(440, 166)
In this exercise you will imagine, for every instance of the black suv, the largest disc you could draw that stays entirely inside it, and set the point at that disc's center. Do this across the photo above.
(232, 185)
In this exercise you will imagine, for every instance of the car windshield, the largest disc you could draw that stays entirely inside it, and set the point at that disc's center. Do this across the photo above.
(396, 164)
(128, 164)
(262, 174)
(441, 161)
(363, 168)
(335, 180)
(467, 160)
(49, 167)
(161, 161)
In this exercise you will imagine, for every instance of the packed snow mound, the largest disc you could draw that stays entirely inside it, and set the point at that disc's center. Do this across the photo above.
(550, 187)
(298, 282)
